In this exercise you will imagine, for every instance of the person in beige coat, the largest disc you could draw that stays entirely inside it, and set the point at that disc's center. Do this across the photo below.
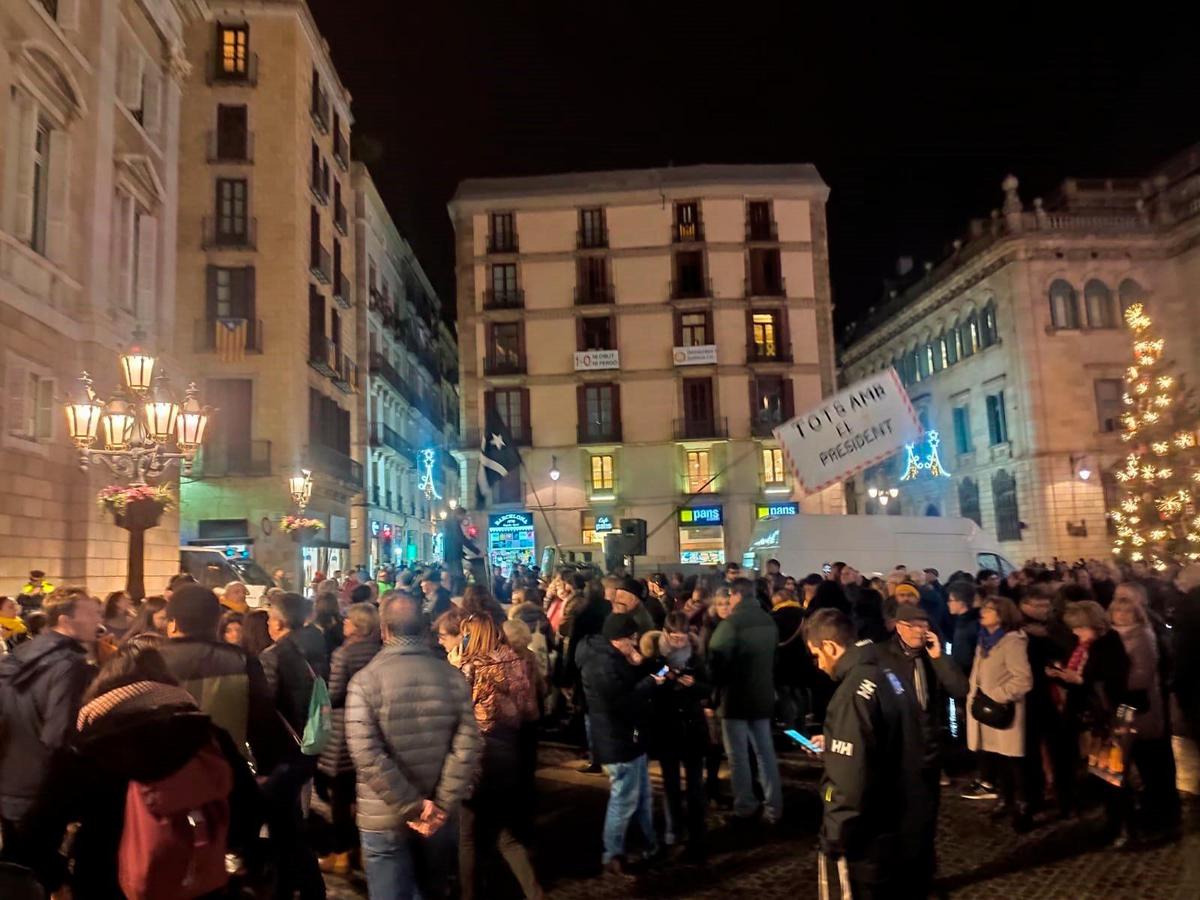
(1002, 673)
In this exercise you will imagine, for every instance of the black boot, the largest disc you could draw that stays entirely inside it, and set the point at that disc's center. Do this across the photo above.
(1022, 818)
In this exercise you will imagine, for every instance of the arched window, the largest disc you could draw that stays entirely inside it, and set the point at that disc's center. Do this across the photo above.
(914, 364)
(953, 344)
(1064, 305)
(971, 335)
(1004, 502)
(927, 358)
(941, 356)
(932, 510)
(1130, 292)
(968, 501)
(987, 331)
(1098, 301)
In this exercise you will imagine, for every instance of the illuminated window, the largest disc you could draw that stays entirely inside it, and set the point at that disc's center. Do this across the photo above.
(602, 473)
(773, 470)
(699, 472)
(233, 41)
(765, 334)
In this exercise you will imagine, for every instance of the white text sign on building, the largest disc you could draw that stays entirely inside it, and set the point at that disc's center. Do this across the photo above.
(855, 428)
(590, 360)
(701, 355)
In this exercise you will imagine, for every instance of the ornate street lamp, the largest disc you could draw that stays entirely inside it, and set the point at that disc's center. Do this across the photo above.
(137, 366)
(883, 495)
(301, 487)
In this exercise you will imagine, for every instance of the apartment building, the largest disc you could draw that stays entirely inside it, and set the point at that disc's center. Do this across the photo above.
(1013, 349)
(89, 158)
(408, 417)
(267, 312)
(641, 333)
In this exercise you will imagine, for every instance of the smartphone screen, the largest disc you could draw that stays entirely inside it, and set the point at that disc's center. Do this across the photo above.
(662, 673)
(802, 740)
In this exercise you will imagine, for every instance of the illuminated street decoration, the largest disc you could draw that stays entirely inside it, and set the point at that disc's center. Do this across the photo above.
(426, 485)
(932, 463)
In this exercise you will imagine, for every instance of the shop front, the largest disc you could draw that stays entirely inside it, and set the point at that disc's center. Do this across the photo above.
(702, 535)
(511, 540)
(328, 552)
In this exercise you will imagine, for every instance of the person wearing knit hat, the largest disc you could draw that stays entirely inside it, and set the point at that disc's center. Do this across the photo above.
(906, 592)
(627, 598)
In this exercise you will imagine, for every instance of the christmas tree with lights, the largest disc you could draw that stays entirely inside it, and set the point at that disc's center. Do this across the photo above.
(1157, 519)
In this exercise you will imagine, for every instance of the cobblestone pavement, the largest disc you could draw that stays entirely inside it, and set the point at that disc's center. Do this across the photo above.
(977, 858)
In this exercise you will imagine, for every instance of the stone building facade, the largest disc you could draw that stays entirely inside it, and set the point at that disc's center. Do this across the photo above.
(641, 333)
(1013, 349)
(409, 403)
(267, 308)
(89, 155)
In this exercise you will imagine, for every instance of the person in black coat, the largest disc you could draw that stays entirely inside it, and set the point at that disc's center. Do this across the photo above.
(794, 671)
(41, 683)
(963, 635)
(829, 596)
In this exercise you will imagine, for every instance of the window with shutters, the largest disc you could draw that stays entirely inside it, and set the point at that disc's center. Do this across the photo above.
(774, 472)
(997, 419)
(693, 329)
(600, 418)
(29, 408)
(766, 274)
(968, 501)
(592, 230)
(503, 235)
(962, 429)
(602, 473)
(232, 213)
(233, 42)
(135, 259)
(233, 136)
(511, 405)
(698, 473)
(1004, 499)
(232, 293)
(40, 163)
(1110, 403)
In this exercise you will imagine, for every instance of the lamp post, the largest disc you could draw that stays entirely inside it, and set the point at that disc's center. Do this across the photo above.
(300, 486)
(137, 425)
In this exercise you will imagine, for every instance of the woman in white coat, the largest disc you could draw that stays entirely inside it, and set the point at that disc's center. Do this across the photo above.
(1000, 676)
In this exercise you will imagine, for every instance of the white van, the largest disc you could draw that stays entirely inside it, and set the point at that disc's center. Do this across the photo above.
(213, 570)
(803, 544)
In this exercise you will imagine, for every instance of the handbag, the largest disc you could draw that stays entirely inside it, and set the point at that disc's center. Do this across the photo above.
(992, 713)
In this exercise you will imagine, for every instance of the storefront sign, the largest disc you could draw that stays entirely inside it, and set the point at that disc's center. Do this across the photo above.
(770, 510)
(700, 515)
(850, 431)
(603, 524)
(702, 355)
(702, 557)
(591, 360)
(511, 540)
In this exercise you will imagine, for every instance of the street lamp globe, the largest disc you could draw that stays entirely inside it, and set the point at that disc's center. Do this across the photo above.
(83, 415)
(138, 368)
(453, 501)
(872, 492)
(555, 474)
(161, 411)
(118, 421)
(883, 499)
(191, 423)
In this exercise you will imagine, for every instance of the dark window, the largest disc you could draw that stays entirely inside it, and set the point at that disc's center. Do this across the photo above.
(771, 399)
(1130, 292)
(508, 489)
(232, 134)
(599, 411)
(504, 278)
(41, 187)
(230, 293)
(766, 278)
(687, 222)
(505, 351)
(229, 447)
(512, 405)
(953, 344)
(596, 334)
(328, 423)
(503, 237)
(698, 401)
(758, 221)
(693, 329)
(1110, 403)
(231, 208)
(962, 429)
(997, 419)
(1064, 306)
(689, 274)
(233, 43)
(1098, 301)
(987, 326)
(592, 231)
(968, 501)
(593, 280)
(1004, 499)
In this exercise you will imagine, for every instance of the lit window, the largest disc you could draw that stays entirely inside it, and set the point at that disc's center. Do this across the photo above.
(765, 334)
(698, 472)
(602, 473)
(773, 471)
(233, 49)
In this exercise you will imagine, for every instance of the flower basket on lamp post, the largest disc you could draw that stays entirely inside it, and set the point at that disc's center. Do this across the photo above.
(300, 528)
(136, 508)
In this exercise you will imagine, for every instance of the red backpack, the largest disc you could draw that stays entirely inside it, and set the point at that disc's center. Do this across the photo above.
(176, 830)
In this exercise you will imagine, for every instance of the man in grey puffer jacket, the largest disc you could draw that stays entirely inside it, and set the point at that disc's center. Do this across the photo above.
(411, 730)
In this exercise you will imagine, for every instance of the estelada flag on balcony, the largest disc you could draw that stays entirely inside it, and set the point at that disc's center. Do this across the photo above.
(230, 339)
(850, 431)
(498, 455)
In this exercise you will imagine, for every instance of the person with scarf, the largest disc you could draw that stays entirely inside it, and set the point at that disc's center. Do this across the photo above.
(678, 732)
(1001, 675)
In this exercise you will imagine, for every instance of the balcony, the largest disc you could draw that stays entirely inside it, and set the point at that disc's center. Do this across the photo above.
(221, 233)
(592, 238)
(346, 376)
(691, 288)
(205, 334)
(319, 110)
(760, 353)
(588, 294)
(221, 459)
(386, 436)
(323, 355)
(236, 149)
(340, 221)
(506, 298)
(502, 243)
(316, 186)
(333, 462)
(223, 72)
(320, 263)
(506, 365)
(598, 433)
(687, 232)
(761, 231)
(766, 287)
(764, 421)
(341, 291)
(341, 151)
(711, 428)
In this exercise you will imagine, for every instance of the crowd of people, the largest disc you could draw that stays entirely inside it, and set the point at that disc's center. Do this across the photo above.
(181, 740)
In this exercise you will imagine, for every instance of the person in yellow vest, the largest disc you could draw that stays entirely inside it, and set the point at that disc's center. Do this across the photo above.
(35, 589)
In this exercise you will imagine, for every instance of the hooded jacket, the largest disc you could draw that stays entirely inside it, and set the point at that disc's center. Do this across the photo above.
(41, 683)
(741, 661)
(875, 808)
(346, 662)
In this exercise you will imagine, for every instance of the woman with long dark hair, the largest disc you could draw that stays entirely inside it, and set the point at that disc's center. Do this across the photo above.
(151, 618)
(256, 637)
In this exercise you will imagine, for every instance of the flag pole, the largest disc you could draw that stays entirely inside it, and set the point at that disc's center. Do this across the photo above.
(537, 500)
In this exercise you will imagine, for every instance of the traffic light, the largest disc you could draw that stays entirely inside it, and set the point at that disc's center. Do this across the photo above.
(634, 531)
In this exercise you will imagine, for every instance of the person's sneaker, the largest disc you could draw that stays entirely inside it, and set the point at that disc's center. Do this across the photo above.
(979, 790)
(944, 781)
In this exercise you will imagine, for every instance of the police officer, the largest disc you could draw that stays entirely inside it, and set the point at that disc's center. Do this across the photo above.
(877, 811)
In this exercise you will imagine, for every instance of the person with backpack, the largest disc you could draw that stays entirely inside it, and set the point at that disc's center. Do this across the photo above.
(160, 793)
(291, 680)
(41, 683)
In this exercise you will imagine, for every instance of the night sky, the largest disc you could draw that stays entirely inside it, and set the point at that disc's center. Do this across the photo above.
(912, 122)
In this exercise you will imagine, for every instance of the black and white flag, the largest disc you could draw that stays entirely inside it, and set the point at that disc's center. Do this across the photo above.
(498, 455)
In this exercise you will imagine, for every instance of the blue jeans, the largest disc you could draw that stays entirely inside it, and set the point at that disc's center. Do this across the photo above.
(628, 796)
(737, 733)
(402, 865)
